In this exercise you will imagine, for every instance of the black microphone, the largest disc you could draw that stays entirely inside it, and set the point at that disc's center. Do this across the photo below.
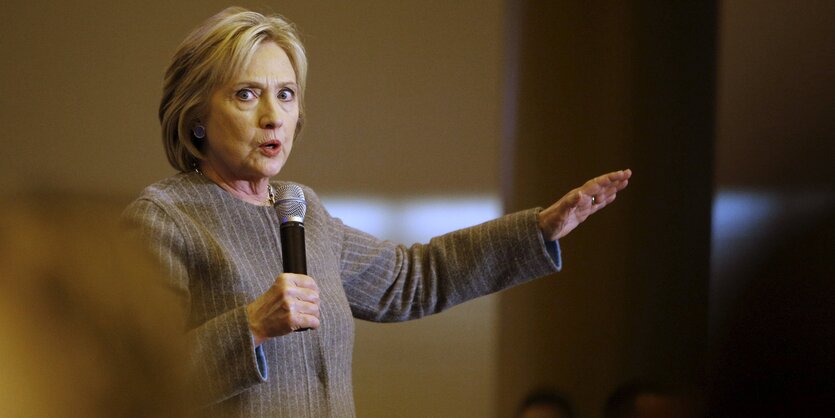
(291, 208)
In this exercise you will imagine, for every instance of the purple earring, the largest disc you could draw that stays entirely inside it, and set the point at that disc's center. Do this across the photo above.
(199, 132)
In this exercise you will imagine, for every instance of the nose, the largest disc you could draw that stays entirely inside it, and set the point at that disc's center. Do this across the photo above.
(271, 116)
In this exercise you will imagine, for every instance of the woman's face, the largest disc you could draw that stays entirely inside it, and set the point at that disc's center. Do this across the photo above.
(251, 120)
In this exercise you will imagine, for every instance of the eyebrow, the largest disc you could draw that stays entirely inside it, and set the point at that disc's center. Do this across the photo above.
(261, 86)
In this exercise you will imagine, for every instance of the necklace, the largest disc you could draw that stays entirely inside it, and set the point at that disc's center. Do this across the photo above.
(271, 196)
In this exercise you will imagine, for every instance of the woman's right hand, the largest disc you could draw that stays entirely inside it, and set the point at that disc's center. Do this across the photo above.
(290, 304)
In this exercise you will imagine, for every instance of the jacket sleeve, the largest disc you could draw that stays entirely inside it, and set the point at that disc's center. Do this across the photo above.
(386, 282)
(223, 360)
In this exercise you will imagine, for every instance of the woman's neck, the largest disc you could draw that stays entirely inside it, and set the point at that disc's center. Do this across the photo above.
(255, 192)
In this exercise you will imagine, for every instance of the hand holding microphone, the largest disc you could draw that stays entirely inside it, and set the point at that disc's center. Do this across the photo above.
(292, 302)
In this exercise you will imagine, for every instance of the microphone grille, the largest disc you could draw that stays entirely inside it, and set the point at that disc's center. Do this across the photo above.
(290, 203)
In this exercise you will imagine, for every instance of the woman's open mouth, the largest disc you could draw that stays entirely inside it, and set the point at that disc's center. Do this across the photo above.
(270, 148)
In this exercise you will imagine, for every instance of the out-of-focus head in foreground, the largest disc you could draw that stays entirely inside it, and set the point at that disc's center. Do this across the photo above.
(86, 323)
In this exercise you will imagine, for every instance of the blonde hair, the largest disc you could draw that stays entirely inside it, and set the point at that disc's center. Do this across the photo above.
(211, 55)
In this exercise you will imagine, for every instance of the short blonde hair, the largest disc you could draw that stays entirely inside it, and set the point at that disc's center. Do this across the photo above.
(210, 56)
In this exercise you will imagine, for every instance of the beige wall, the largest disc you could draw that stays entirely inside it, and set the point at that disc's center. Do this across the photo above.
(403, 101)
(403, 97)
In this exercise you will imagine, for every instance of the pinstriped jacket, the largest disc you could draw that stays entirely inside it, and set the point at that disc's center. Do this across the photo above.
(220, 253)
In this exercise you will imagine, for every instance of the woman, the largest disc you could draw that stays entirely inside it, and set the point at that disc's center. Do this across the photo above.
(232, 105)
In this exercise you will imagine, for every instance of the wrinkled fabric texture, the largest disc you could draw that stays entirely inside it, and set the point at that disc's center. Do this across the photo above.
(220, 253)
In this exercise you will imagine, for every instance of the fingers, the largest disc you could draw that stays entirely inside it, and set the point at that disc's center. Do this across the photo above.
(295, 314)
(304, 322)
(601, 188)
(290, 304)
(300, 281)
(299, 299)
(617, 176)
(306, 316)
(571, 210)
(616, 179)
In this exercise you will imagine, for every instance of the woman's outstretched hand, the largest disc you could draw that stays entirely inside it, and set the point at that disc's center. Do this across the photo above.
(577, 205)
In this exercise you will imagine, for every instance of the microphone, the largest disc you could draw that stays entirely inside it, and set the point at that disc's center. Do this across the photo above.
(291, 208)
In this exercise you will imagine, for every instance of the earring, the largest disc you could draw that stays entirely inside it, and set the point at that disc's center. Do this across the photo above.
(199, 132)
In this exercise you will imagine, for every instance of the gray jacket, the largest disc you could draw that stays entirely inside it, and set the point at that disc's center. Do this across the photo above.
(221, 253)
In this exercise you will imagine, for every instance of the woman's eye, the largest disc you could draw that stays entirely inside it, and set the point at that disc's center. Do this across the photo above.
(245, 94)
(286, 95)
